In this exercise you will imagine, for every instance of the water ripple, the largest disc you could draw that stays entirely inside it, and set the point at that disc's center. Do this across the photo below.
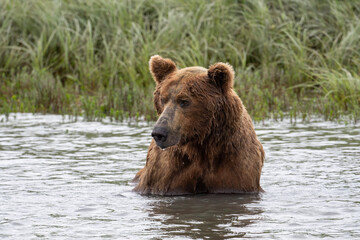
(62, 179)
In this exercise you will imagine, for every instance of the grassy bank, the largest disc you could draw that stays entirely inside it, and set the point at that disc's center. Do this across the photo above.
(87, 57)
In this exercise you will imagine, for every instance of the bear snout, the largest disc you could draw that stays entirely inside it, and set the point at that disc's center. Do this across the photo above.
(160, 135)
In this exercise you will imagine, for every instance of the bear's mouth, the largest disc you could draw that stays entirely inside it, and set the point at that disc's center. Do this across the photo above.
(168, 142)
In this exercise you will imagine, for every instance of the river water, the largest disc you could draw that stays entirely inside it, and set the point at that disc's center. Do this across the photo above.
(61, 179)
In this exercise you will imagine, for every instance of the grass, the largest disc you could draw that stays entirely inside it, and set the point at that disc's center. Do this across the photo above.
(85, 57)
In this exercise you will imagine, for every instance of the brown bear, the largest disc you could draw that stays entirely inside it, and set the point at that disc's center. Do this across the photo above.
(204, 140)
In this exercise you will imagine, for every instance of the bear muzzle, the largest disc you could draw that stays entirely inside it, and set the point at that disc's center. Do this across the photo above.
(160, 135)
(164, 138)
(166, 132)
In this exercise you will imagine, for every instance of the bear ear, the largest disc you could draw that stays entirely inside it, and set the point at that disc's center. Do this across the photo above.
(161, 67)
(222, 74)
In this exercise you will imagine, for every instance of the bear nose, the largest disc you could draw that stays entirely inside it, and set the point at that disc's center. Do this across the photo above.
(159, 134)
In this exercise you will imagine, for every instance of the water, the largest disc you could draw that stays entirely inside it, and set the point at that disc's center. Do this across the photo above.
(72, 180)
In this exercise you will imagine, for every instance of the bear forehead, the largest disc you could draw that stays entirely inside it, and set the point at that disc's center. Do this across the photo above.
(182, 78)
(192, 70)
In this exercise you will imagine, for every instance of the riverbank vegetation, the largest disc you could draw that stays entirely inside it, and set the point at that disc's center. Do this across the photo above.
(90, 57)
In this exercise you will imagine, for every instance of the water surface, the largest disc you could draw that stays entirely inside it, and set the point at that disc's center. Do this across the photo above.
(61, 179)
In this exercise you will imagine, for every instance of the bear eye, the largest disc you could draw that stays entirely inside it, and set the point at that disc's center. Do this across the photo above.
(184, 102)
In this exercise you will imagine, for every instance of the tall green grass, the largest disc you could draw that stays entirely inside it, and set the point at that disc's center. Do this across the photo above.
(90, 57)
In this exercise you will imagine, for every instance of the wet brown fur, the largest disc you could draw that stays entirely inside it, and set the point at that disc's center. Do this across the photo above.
(218, 151)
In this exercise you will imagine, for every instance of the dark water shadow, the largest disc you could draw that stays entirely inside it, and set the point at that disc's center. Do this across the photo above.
(207, 216)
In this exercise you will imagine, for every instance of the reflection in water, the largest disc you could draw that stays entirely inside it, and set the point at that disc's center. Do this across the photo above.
(207, 216)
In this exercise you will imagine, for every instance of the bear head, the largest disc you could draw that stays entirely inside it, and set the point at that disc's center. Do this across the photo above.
(188, 100)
